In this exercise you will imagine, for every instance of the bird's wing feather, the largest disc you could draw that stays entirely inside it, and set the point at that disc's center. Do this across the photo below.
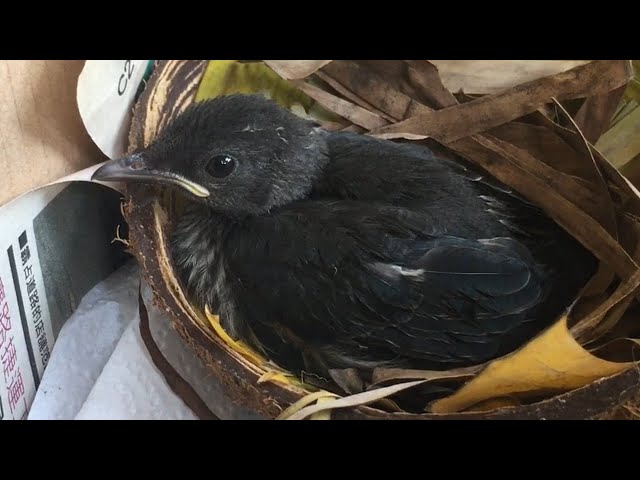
(352, 273)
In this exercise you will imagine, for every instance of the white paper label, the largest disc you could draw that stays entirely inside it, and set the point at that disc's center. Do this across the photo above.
(106, 94)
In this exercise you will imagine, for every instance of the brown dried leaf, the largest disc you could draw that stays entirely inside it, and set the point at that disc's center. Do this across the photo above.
(385, 375)
(295, 69)
(548, 147)
(630, 234)
(417, 79)
(504, 162)
(604, 323)
(387, 405)
(348, 380)
(376, 88)
(608, 220)
(426, 79)
(596, 112)
(619, 350)
(396, 82)
(627, 327)
(395, 136)
(541, 151)
(353, 129)
(492, 76)
(369, 86)
(453, 123)
(589, 328)
(591, 320)
(341, 107)
(349, 95)
(609, 172)
(621, 185)
(334, 126)
(376, 81)
(631, 170)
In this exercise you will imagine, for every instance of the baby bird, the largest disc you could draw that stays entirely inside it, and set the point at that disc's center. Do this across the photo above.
(339, 250)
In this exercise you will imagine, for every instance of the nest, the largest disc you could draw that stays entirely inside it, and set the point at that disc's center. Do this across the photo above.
(538, 135)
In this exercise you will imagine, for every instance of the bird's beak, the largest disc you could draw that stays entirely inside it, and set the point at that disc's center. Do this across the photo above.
(133, 168)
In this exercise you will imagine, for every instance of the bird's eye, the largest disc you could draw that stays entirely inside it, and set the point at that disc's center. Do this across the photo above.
(221, 166)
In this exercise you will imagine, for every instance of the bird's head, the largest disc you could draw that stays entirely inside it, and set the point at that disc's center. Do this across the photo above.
(239, 154)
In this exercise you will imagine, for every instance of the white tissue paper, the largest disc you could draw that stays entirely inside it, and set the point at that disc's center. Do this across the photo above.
(100, 367)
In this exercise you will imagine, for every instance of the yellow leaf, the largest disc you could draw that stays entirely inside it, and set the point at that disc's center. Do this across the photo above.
(324, 414)
(225, 77)
(237, 346)
(363, 398)
(552, 362)
(303, 402)
(274, 376)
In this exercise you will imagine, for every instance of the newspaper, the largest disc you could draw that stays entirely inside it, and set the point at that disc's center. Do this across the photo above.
(56, 241)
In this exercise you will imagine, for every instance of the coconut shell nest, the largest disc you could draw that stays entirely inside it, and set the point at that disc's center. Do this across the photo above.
(538, 137)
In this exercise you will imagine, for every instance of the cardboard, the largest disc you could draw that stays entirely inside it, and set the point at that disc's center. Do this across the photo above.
(42, 137)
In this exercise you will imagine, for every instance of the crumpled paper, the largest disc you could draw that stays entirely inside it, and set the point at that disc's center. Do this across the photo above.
(100, 367)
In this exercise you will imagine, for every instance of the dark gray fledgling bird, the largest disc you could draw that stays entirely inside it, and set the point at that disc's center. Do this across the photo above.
(339, 250)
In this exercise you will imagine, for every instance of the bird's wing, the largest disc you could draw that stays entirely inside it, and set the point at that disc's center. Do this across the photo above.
(478, 296)
(376, 281)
